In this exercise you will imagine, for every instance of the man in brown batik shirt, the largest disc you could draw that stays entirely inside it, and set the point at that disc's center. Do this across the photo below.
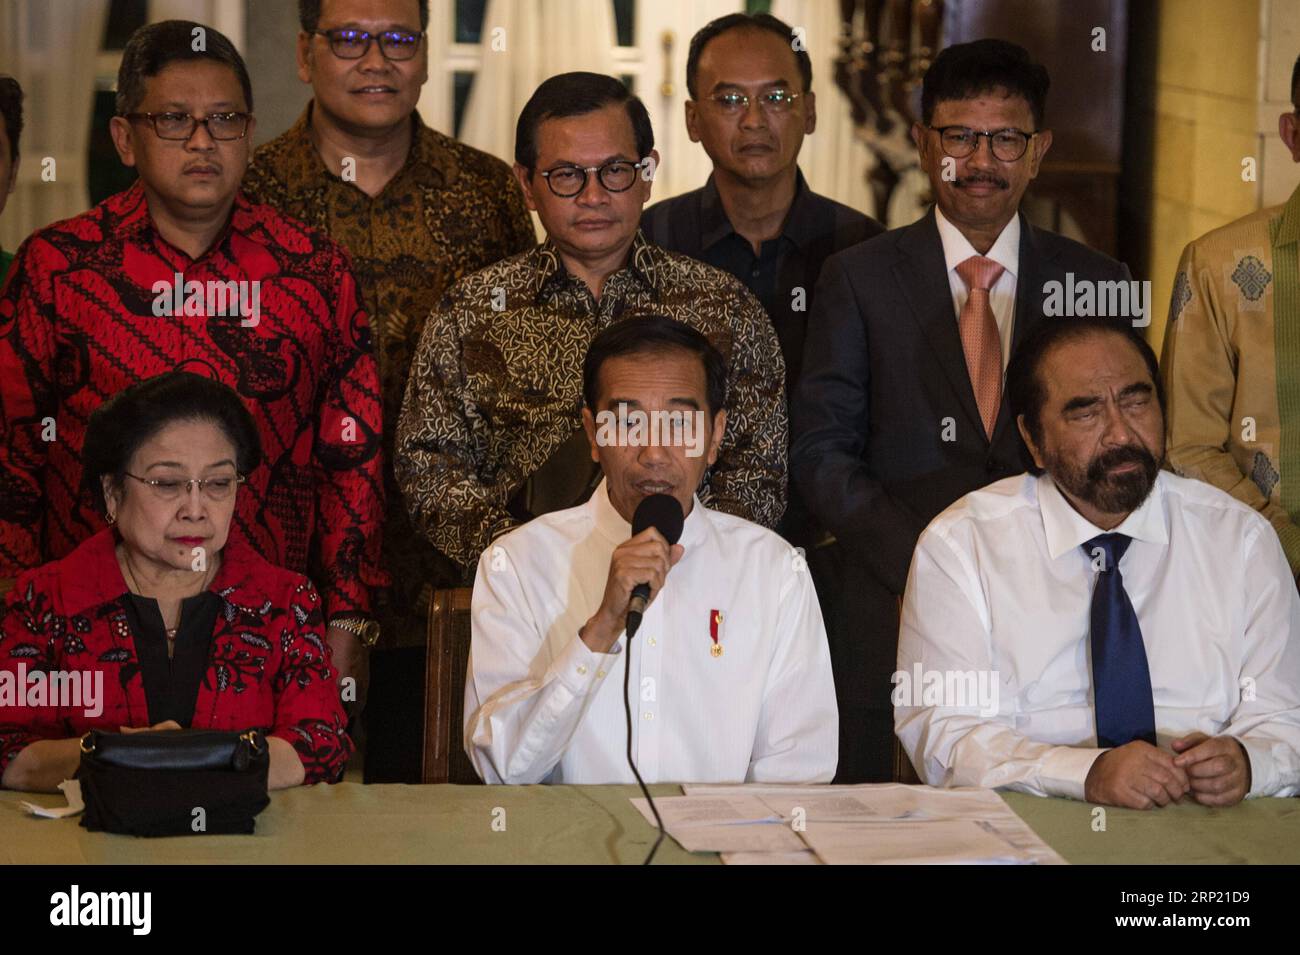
(416, 210)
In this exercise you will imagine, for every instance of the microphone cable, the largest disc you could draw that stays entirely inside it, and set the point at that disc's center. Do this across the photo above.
(632, 628)
(664, 513)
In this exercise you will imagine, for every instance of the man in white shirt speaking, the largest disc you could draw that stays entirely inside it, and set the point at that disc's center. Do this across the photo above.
(1140, 630)
(730, 671)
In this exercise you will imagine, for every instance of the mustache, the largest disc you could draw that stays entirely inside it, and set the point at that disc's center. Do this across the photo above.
(983, 179)
(1115, 457)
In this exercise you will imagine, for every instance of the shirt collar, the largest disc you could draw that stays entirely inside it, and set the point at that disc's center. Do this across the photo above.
(304, 171)
(430, 162)
(90, 576)
(133, 212)
(135, 222)
(804, 221)
(801, 221)
(1067, 529)
(550, 274)
(714, 224)
(957, 248)
(1289, 229)
(610, 523)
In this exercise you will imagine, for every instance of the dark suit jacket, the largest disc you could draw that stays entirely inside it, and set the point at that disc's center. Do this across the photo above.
(695, 224)
(883, 371)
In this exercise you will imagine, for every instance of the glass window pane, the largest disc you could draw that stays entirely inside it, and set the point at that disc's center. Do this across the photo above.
(463, 82)
(469, 20)
(625, 22)
(124, 18)
(106, 173)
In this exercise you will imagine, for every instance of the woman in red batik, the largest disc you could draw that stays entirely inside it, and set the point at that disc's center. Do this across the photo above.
(162, 620)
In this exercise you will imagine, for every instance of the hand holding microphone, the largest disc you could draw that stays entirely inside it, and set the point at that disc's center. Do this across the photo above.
(637, 571)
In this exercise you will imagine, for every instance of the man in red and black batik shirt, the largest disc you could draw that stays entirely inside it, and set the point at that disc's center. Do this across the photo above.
(266, 305)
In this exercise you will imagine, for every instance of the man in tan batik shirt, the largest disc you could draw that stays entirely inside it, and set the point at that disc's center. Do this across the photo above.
(1232, 357)
(495, 397)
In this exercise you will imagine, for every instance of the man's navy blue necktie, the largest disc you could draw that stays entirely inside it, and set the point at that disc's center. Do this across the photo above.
(1121, 681)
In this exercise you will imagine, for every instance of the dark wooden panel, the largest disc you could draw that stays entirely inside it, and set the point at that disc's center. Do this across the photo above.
(448, 656)
(1085, 104)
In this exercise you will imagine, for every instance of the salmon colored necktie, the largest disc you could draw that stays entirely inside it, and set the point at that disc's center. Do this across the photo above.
(979, 336)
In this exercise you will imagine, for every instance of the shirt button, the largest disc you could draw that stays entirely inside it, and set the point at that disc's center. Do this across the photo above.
(754, 274)
(647, 715)
(582, 669)
(653, 643)
(600, 673)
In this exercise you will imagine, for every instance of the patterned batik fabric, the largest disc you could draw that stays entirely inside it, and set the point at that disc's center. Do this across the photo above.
(79, 322)
(1223, 369)
(268, 663)
(449, 211)
(496, 386)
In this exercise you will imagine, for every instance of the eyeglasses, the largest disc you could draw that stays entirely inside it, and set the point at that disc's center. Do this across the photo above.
(180, 126)
(617, 175)
(959, 142)
(773, 101)
(215, 489)
(354, 44)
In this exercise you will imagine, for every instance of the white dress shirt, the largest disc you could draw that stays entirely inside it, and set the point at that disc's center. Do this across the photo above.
(1002, 296)
(540, 706)
(1000, 583)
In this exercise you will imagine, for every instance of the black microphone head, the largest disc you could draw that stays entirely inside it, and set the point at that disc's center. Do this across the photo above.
(663, 512)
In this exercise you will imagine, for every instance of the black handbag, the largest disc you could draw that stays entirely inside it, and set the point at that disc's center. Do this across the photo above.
(173, 782)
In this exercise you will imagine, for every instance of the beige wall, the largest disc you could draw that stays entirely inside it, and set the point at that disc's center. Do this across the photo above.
(1203, 119)
(1221, 72)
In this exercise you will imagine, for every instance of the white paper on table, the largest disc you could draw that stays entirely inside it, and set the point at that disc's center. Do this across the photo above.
(883, 800)
(730, 823)
(757, 837)
(886, 805)
(822, 807)
(802, 857)
(931, 841)
(1017, 832)
(72, 792)
(732, 789)
(930, 802)
(680, 812)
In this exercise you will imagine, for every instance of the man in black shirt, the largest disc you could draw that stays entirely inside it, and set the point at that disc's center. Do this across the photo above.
(751, 105)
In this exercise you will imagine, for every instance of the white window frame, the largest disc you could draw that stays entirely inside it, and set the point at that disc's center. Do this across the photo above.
(447, 58)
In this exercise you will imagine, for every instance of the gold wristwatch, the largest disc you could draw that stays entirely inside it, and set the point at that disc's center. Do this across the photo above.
(365, 630)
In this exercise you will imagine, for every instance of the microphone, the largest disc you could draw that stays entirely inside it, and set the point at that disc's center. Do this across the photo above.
(663, 512)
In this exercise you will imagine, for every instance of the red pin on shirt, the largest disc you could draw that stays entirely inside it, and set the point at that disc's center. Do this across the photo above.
(715, 626)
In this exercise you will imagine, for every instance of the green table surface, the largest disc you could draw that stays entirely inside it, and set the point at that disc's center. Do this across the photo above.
(351, 823)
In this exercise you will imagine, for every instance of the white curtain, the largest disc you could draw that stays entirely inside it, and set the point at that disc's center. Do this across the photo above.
(541, 39)
(49, 46)
(834, 161)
